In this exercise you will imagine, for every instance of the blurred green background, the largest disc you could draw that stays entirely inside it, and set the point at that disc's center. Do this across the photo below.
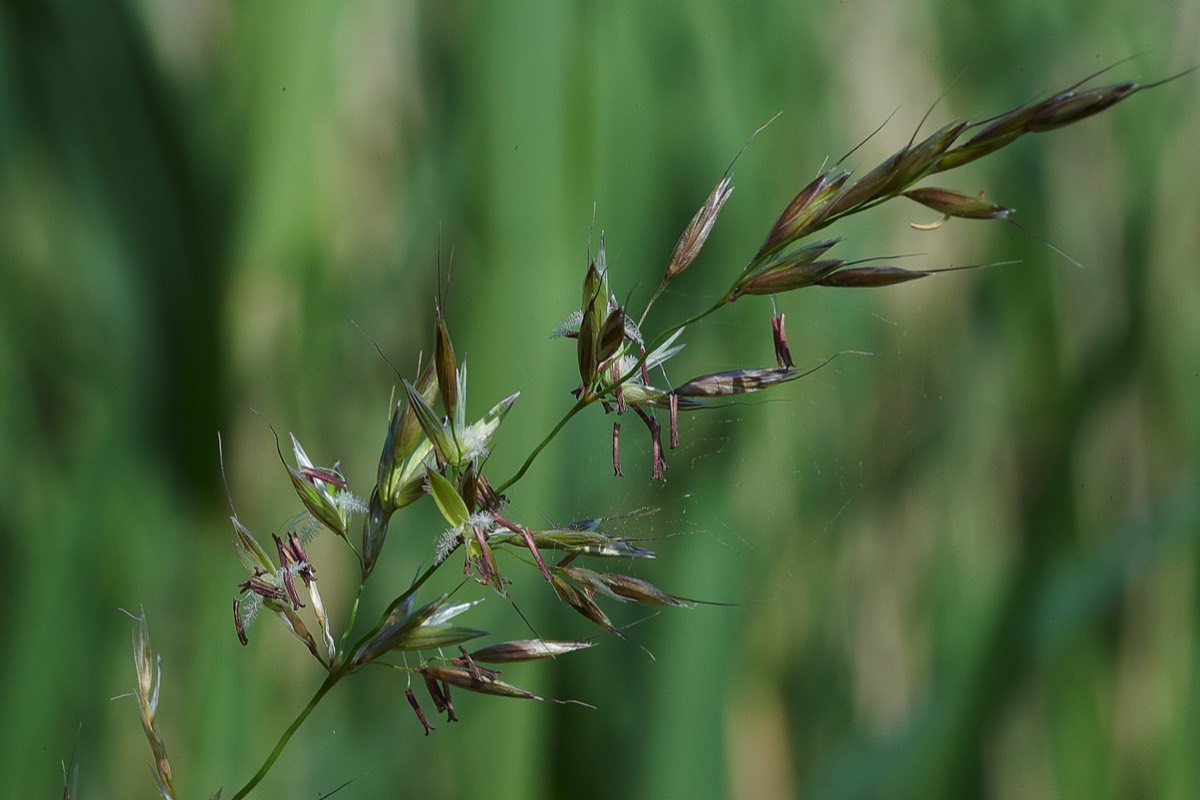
(967, 567)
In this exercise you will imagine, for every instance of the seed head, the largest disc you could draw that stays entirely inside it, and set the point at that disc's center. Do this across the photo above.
(918, 160)
(871, 277)
(738, 381)
(696, 233)
(793, 270)
(579, 601)
(594, 312)
(472, 681)
(785, 275)
(149, 679)
(408, 426)
(957, 204)
(526, 650)
(624, 587)
(612, 333)
(804, 213)
(1069, 107)
(322, 490)
(443, 358)
(408, 629)
(577, 542)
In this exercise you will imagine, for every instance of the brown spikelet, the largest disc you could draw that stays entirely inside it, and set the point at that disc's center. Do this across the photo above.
(803, 215)
(871, 276)
(957, 204)
(696, 233)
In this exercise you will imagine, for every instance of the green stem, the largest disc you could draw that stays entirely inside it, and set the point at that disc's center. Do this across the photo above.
(328, 684)
(657, 293)
(662, 337)
(575, 409)
(348, 656)
(432, 568)
(353, 616)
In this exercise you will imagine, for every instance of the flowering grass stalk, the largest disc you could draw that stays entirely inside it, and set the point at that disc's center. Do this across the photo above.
(434, 447)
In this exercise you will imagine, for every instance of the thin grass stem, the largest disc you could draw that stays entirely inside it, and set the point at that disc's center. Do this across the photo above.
(324, 688)
(520, 473)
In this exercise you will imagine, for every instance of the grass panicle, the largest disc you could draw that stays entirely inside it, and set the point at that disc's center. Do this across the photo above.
(433, 446)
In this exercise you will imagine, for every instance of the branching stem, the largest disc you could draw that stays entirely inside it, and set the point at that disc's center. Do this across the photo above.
(575, 409)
